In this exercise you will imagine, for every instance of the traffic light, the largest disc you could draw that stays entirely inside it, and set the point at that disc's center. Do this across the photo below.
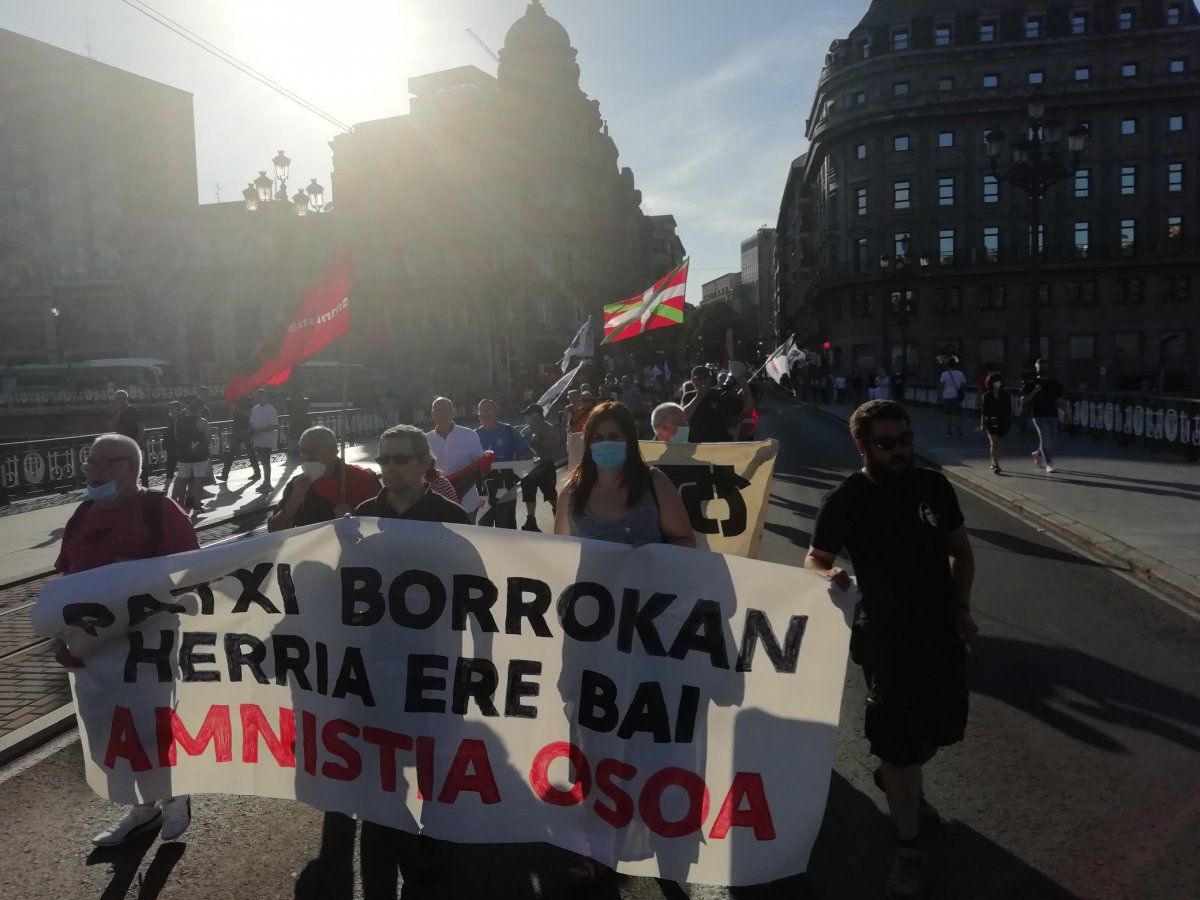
(827, 345)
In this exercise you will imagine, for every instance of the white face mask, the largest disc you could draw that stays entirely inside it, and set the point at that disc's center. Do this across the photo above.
(314, 469)
(681, 434)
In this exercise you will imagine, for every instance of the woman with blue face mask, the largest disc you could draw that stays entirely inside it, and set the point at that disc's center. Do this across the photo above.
(612, 495)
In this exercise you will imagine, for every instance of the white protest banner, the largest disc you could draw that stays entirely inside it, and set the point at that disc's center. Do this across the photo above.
(666, 711)
(502, 485)
(724, 487)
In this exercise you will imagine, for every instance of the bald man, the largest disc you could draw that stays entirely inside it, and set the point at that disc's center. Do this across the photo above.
(454, 447)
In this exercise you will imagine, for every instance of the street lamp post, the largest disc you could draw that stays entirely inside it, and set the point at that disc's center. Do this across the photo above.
(1035, 168)
(266, 191)
(898, 272)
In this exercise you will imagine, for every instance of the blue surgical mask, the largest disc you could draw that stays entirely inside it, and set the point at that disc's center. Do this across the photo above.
(681, 434)
(102, 492)
(608, 454)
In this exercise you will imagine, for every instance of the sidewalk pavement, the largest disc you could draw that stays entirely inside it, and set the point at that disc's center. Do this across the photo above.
(1135, 509)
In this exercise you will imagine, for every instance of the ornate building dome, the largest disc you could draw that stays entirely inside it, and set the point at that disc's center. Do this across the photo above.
(537, 54)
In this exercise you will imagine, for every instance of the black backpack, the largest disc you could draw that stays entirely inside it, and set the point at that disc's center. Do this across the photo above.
(152, 507)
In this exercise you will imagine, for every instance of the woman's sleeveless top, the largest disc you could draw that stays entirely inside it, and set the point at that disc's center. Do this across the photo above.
(638, 526)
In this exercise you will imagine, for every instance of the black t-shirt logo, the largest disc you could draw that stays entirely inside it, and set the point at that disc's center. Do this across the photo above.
(698, 484)
(925, 511)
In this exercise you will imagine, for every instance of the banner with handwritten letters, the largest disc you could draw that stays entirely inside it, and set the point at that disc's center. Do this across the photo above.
(666, 711)
(502, 484)
(724, 487)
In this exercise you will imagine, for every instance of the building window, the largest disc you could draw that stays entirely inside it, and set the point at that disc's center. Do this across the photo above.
(543, 310)
(991, 243)
(860, 151)
(1174, 234)
(1033, 27)
(1176, 123)
(1037, 76)
(1083, 73)
(1176, 289)
(1043, 293)
(1129, 290)
(862, 50)
(987, 32)
(900, 143)
(1129, 70)
(900, 242)
(946, 83)
(946, 246)
(1082, 238)
(1128, 236)
(900, 89)
(945, 139)
(860, 254)
(945, 192)
(992, 296)
(1178, 66)
(860, 98)
(860, 201)
(1175, 177)
(1081, 293)
(1174, 14)
(1128, 345)
(943, 34)
(1129, 126)
(900, 194)
(1040, 248)
(949, 299)
(991, 81)
(1083, 183)
(1081, 346)
(1127, 19)
(1128, 180)
(1080, 23)
(991, 189)
(899, 38)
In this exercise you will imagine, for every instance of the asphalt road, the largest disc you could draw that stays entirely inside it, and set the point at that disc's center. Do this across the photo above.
(1080, 775)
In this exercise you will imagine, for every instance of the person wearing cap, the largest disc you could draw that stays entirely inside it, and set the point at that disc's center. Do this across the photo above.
(546, 442)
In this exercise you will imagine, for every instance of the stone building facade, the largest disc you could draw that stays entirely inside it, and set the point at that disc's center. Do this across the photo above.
(493, 219)
(95, 165)
(897, 158)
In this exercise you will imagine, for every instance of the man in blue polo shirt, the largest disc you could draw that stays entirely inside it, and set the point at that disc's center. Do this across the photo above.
(507, 445)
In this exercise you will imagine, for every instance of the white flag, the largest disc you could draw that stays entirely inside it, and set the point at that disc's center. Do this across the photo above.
(556, 390)
(780, 362)
(580, 347)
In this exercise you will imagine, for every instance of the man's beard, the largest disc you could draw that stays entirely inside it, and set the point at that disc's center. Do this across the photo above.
(883, 473)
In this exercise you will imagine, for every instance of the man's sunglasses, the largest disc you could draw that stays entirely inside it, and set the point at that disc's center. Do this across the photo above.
(887, 442)
(400, 459)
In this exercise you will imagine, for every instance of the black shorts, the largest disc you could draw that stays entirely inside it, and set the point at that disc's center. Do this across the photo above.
(916, 701)
(544, 478)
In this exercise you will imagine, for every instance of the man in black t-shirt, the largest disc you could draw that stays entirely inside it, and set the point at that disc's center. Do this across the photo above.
(1041, 398)
(710, 410)
(903, 530)
(128, 421)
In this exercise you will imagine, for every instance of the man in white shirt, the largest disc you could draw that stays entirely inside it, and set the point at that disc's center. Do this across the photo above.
(953, 384)
(454, 447)
(263, 422)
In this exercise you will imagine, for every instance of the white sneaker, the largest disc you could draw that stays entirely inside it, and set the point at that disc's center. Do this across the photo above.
(137, 820)
(1049, 470)
(176, 817)
(1037, 458)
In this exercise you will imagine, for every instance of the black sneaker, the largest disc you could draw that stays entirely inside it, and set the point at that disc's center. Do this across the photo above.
(927, 816)
(907, 878)
(530, 525)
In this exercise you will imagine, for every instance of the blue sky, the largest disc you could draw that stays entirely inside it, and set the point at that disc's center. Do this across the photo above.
(706, 99)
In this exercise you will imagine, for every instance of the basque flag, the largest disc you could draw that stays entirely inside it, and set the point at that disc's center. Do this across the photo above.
(323, 317)
(661, 306)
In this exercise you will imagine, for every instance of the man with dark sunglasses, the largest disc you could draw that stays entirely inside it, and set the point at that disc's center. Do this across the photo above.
(405, 461)
(903, 530)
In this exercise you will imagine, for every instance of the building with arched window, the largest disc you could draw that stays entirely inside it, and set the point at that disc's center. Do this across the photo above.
(897, 161)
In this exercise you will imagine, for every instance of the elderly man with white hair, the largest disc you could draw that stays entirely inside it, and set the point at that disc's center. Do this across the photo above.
(670, 423)
(454, 447)
(120, 521)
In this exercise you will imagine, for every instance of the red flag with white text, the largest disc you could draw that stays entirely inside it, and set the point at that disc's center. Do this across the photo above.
(323, 317)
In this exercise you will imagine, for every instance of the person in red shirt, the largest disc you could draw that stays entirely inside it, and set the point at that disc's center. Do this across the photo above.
(326, 487)
(121, 521)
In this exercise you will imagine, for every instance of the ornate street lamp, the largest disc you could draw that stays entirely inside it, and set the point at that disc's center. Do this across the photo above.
(264, 190)
(898, 272)
(317, 193)
(263, 185)
(1035, 168)
(250, 195)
